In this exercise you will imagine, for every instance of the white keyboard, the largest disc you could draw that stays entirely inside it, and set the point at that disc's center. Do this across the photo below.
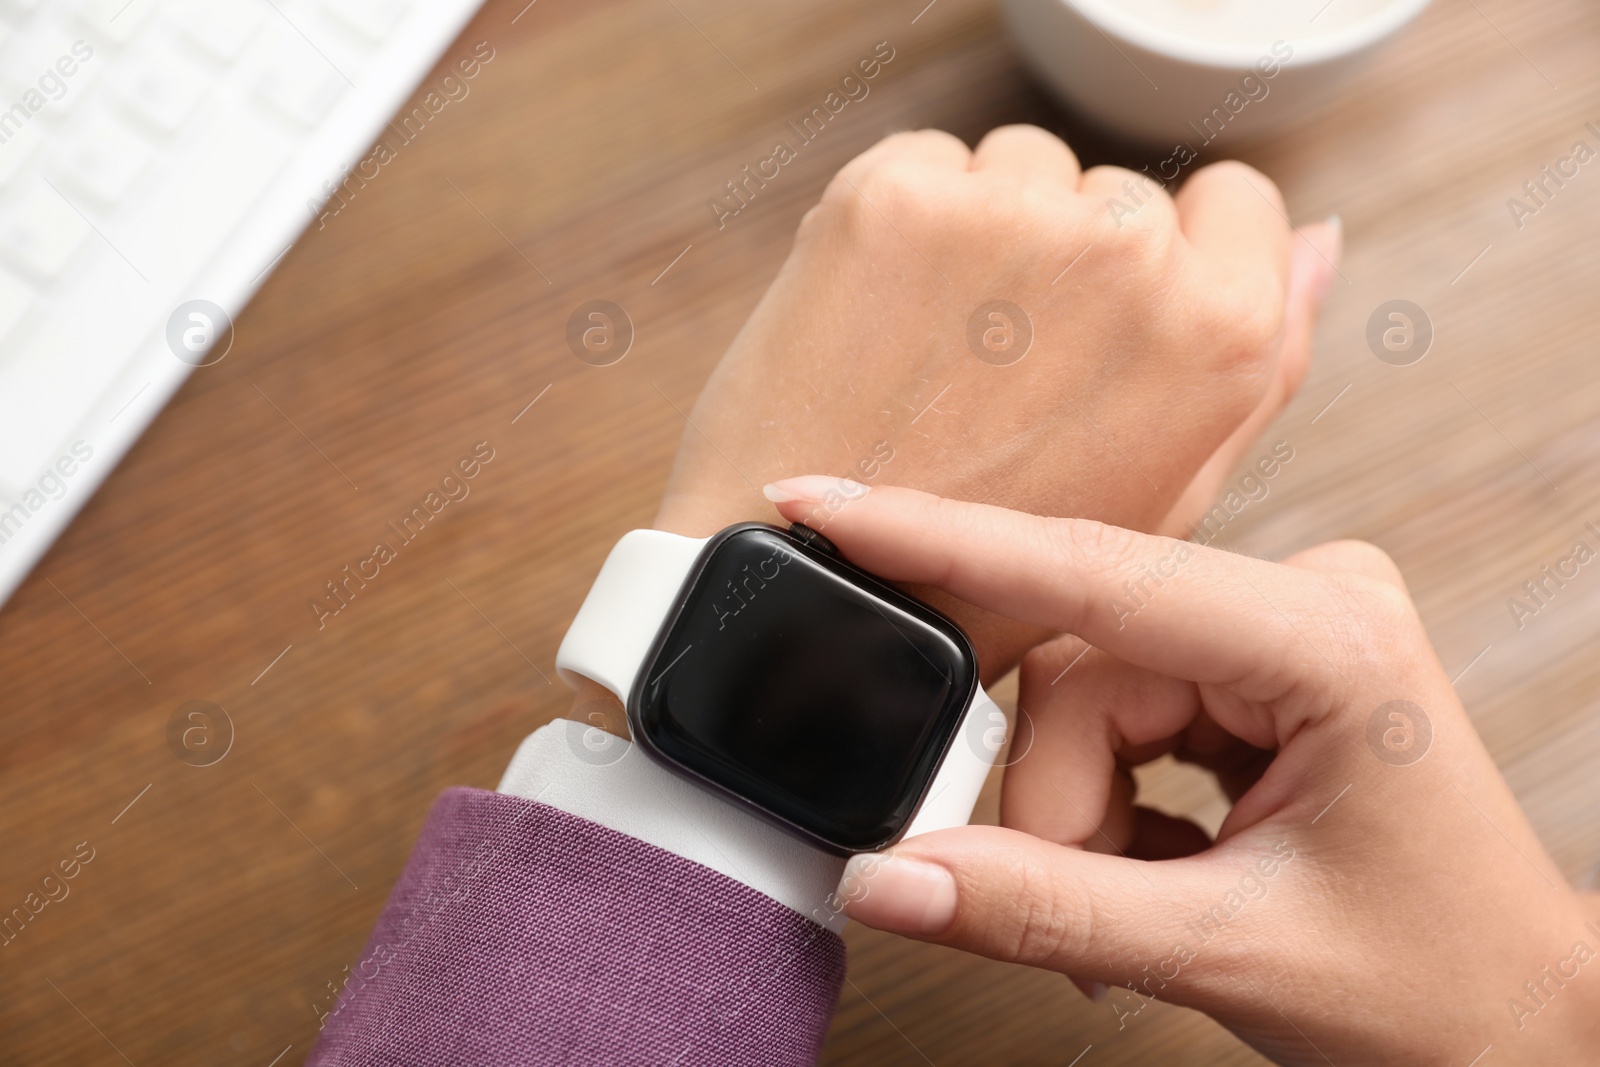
(157, 158)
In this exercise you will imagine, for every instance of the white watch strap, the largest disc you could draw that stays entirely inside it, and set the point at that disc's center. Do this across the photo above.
(966, 767)
(625, 608)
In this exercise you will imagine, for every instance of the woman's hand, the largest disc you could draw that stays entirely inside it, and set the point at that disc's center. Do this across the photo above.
(1374, 896)
(894, 344)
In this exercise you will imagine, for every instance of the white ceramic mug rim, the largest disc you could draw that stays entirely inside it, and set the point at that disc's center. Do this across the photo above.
(1238, 55)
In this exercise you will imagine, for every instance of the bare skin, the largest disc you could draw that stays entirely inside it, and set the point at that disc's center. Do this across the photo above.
(1161, 347)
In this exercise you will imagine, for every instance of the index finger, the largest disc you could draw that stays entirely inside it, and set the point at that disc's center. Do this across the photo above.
(1182, 609)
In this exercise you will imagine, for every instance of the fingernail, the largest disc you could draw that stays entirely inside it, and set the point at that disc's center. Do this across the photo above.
(1314, 262)
(1327, 258)
(1095, 991)
(898, 894)
(812, 489)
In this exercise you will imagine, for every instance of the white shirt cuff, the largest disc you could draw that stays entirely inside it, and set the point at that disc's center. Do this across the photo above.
(598, 776)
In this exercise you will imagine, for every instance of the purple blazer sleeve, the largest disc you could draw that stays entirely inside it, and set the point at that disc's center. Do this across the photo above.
(520, 934)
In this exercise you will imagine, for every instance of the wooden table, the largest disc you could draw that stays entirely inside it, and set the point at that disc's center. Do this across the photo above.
(429, 313)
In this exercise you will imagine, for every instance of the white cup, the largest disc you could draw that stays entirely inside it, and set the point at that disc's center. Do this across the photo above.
(1188, 71)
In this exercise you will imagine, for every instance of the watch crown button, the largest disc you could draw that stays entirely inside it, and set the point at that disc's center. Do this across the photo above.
(811, 537)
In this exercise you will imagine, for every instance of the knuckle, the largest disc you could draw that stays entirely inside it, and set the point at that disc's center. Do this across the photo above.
(1021, 129)
(944, 137)
(1024, 135)
(1043, 665)
(1089, 541)
(884, 184)
(1143, 247)
(812, 221)
(1233, 170)
(1245, 319)
(900, 190)
(1362, 557)
(928, 136)
(1046, 927)
(1367, 616)
(1141, 203)
(1040, 660)
(1092, 549)
(1376, 600)
(837, 194)
(895, 184)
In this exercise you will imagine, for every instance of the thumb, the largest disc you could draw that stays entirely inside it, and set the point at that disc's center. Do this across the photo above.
(1013, 897)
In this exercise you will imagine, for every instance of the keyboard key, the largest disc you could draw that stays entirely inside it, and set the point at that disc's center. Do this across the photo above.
(45, 74)
(162, 87)
(373, 19)
(181, 225)
(78, 83)
(219, 29)
(102, 161)
(30, 53)
(52, 378)
(302, 88)
(17, 146)
(40, 233)
(115, 22)
(15, 300)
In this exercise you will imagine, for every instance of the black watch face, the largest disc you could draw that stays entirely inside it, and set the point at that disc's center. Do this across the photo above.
(806, 687)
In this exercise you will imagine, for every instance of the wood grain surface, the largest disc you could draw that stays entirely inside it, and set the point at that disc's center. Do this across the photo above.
(427, 314)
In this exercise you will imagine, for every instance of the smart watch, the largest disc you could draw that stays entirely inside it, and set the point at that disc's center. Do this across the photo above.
(763, 666)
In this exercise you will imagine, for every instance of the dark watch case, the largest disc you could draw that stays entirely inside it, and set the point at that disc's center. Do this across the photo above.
(803, 687)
